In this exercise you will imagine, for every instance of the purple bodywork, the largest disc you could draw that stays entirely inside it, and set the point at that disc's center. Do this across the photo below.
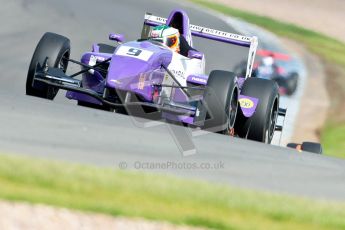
(140, 74)
(126, 72)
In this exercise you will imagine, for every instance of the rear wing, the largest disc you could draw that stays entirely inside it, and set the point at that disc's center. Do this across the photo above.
(212, 34)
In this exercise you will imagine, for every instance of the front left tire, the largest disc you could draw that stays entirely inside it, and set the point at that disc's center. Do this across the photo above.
(261, 126)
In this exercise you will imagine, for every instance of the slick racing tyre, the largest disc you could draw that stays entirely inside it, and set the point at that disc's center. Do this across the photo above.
(221, 100)
(291, 83)
(57, 49)
(261, 126)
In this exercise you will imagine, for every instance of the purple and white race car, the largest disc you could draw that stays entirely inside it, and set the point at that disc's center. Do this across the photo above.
(146, 78)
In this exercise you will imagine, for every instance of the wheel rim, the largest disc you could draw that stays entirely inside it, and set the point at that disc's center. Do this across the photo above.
(271, 123)
(62, 64)
(63, 61)
(232, 110)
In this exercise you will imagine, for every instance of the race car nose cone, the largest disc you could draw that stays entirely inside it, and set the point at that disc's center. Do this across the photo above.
(145, 44)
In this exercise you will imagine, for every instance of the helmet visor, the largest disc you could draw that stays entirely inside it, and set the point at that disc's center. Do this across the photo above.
(172, 41)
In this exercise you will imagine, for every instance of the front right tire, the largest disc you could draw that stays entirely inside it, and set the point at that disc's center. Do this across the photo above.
(221, 99)
(57, 49)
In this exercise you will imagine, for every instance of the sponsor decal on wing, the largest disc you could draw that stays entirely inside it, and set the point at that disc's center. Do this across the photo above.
(199, 80)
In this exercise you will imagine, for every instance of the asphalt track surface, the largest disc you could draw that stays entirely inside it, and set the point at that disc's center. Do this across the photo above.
(61, 130)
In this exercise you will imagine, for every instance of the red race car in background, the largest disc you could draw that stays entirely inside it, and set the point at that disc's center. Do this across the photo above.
(271, 66)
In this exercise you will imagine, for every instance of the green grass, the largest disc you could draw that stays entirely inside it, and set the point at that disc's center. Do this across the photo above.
(333, 139)
(160, 198)
(329, 49)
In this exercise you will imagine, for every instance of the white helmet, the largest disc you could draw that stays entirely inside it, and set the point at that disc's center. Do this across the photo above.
(167, 35)
(267, 61)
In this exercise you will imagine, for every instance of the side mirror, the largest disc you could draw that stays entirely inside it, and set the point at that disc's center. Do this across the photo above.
(117, 37)
(195, 54)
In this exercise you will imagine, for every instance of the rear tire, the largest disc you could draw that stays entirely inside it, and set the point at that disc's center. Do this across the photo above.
(221, 98)
(56, 48)
(261, 126)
